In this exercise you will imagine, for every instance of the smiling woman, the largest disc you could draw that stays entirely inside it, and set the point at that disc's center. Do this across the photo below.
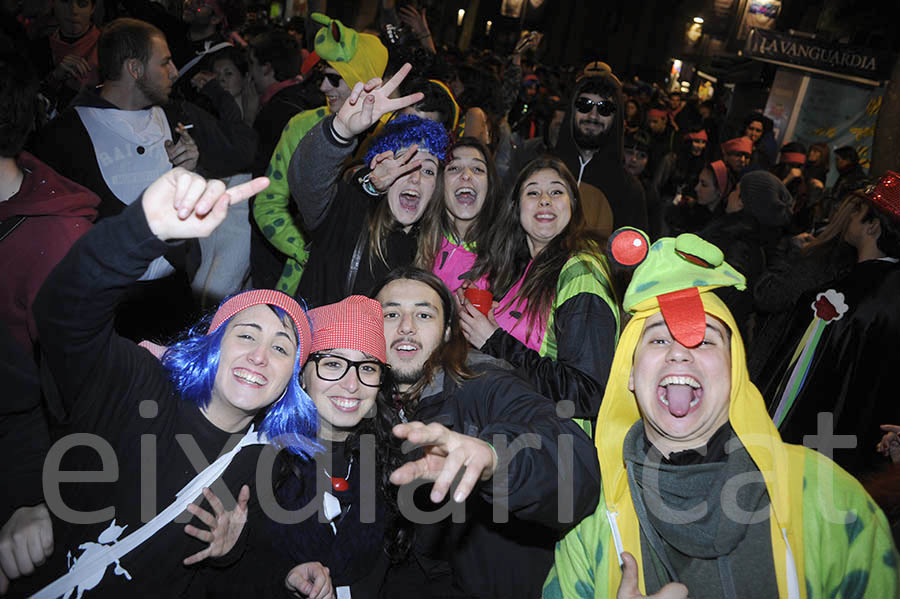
(355, 239)
(158, 423)
(557, 317)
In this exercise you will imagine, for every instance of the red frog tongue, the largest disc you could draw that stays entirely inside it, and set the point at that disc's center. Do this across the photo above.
(679, 397)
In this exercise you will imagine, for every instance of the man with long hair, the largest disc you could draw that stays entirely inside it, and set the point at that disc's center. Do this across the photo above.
(473, 417)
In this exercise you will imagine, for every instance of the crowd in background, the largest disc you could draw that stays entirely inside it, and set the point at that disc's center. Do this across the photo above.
(493, 184)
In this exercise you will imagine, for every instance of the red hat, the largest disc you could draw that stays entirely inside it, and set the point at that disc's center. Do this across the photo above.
(721, 172)
(738, 144)
(701, 134)
(309, 62)
(657, 113)
(255, 297)
(885, 195)
(793, 158)
(353, 323)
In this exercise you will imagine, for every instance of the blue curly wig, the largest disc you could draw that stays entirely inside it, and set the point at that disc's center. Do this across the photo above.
(408, 129)
(290, 423)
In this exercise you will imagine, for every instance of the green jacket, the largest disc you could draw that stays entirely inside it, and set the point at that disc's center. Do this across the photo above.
(271, 209)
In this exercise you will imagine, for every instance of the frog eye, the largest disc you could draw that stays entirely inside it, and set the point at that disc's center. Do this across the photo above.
(628, 247)
(698, 251)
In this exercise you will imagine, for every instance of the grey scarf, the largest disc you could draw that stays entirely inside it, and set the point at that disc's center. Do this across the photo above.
(705, 525)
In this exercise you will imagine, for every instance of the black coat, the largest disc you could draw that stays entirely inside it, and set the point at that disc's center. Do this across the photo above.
(487, 556)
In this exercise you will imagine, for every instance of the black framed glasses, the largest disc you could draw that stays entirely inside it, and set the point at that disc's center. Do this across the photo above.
(330, 367)
(333, 78)
(604, 107)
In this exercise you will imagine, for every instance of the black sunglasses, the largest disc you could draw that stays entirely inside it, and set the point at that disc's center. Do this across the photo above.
(604, 107)
(333, 78)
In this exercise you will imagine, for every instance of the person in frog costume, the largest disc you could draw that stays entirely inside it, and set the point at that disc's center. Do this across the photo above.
(700, 496)
(351, 58)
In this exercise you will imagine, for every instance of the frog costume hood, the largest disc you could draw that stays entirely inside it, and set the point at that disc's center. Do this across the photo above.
(676, 277)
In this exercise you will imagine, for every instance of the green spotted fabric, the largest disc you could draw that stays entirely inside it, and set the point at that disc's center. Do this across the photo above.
(271, 209)
(673, 264)
(848, 551)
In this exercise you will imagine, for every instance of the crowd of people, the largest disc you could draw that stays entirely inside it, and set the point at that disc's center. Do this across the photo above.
(304, 310)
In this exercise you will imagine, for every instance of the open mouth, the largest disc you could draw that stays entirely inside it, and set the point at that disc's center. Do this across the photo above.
(345, 404)
(249, 377)
(680, 394)
(466, 196)
(545, 217)
(409, 200)
(405, 348)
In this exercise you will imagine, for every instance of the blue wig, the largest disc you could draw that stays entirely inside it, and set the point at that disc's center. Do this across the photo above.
(290, 423)
(408, 129)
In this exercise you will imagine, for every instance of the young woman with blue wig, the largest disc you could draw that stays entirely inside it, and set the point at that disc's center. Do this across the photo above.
(357, 234)
(163, 432)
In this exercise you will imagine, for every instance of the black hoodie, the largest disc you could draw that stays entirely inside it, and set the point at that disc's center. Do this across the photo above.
(611, 197)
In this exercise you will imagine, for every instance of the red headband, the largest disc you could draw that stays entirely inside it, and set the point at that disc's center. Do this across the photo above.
(721, 173)
(793, 157)
(697, 135)
(352, 323)
(738, 144)
(885, 195)
(271, 297)
(657, 113)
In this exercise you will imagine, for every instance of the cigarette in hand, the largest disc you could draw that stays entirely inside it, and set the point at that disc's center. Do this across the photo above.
(186, 127)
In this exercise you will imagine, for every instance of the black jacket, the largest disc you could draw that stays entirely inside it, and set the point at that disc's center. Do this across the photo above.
(488, 555)
(99, 383)
(336, 214)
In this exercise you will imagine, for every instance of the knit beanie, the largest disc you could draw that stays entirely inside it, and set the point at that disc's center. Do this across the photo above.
(766, 198)
(738, 144)
(352, 323)
(356, 56)
(408, 129)
(793, 153)
(255, 297)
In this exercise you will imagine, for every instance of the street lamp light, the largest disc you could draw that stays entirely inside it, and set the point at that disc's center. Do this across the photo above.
(698, 20)
(460, 15)
(487, 29)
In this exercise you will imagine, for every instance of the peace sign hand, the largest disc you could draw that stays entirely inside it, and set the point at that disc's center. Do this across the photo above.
(371, 100)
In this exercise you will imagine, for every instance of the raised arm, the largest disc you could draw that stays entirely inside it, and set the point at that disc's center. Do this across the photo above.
(89, 363)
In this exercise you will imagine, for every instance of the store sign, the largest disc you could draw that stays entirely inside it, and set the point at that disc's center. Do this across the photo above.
(814, 54)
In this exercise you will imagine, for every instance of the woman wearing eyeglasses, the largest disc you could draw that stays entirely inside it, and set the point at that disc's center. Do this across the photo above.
(348, 379)
(557, 319)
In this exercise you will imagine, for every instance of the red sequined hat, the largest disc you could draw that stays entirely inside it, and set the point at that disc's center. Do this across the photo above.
(352, 323)
(885, 195)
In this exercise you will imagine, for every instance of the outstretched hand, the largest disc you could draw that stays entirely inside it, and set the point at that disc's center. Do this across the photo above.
(628, 588)
(446, 452)
(225, 526)
(371, 100)
(183, 205)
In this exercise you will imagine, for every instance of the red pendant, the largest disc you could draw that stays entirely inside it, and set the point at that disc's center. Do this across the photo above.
(339, 484)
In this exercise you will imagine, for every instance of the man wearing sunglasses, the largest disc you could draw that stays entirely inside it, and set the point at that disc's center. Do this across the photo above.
(278, 249)
(590, 143)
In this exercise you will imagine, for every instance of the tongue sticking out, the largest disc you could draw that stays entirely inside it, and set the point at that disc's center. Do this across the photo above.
(679, 397)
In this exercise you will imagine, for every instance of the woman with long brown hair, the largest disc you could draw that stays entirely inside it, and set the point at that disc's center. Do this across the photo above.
(455, 229)
(557, 318)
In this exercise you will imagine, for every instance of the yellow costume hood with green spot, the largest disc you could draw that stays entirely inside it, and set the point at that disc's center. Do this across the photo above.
(691, 267)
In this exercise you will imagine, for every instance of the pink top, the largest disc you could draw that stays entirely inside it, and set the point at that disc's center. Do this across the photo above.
(510, 315)
(452, 262)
